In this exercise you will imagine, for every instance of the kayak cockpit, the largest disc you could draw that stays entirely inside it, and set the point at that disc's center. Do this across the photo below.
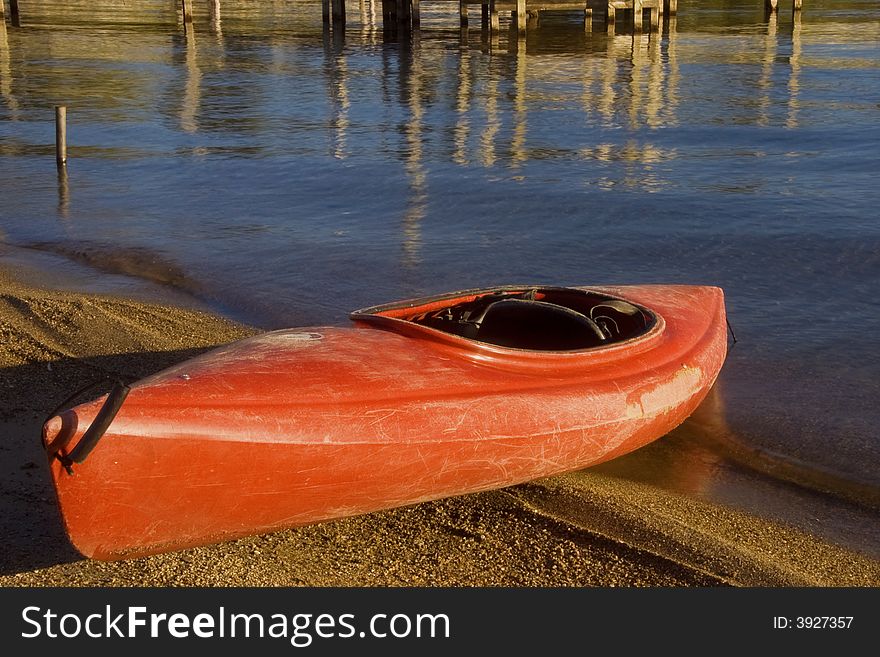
(532, 318)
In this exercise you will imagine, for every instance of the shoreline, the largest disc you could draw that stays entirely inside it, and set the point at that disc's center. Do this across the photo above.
(590, 528)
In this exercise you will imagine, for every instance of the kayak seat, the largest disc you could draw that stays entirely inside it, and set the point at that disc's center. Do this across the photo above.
(618, 319)
(526, 324)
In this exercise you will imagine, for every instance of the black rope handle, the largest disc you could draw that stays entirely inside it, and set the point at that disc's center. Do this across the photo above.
(86, 388)
(99, 425)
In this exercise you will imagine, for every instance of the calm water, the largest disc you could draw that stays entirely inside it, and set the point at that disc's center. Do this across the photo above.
(286, 177)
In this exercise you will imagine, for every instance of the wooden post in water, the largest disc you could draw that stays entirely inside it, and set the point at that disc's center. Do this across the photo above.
(403, 14)
(588, 20)
(61, 160)
(670, 7)
(637, 15)
(186, 8)
(493, 17)
(462, 13)
(61, 135)
(338, 12)
(796, 5)
(521, 16)
(414, 12)
(14, 14)
(770, 6)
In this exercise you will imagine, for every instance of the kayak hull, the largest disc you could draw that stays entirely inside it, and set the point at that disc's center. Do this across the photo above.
(300, 426)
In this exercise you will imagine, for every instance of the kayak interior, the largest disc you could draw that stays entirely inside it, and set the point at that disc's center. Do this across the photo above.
(529, 318)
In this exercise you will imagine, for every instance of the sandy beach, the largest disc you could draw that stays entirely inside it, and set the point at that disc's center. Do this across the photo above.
(582, 529)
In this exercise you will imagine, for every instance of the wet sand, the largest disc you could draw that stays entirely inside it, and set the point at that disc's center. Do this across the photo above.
(590, 528)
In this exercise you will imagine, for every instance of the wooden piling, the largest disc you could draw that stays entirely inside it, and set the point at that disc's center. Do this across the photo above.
(588, 20)
(637, 15)
(14, 13)
(521, 16)
(415, 19)
(404, 15)
(770, 6)
(325, 10)
(670, 7)
(494, 23)
(338, 12)
(796, 5)
(462, 13)
(186, 8)
(61, 135)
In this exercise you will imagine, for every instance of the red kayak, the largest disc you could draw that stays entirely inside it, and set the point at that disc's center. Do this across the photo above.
(417, 400)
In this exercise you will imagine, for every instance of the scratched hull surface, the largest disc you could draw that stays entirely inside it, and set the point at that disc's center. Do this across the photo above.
(303, 425)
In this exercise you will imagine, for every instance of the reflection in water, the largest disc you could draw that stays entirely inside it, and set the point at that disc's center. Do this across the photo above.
(673, 77)
(493, 120)
(461, 132)
(656, 81)
(634, 77)
(369, 26)
(794, 78)
(638, 55)
(412, 72)
(765, 82)
(770, 60)
(6, 72)
(192, 91)
(609, 81)
(63, 193)
(489, 33)
(341, 104)
(641, 54)
(518, 152)
(214, 7)
(646, 80)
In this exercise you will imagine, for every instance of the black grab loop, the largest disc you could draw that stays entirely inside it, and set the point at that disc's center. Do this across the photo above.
(732, 334)
(98, 427)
